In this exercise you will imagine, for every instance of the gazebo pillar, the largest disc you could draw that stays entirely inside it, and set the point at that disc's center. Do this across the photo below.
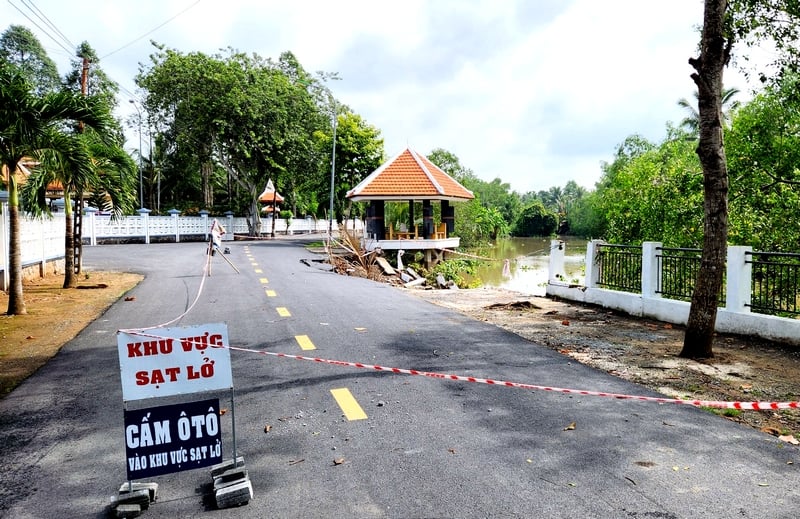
(448, 216)
(376, 212)
(410, 216)
(427, 219)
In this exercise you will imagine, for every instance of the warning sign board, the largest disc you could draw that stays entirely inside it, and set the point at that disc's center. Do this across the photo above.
(174, 361)
(172, 438)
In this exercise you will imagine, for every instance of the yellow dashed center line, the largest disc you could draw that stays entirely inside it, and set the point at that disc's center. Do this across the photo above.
(259, 271)
(304, 342)
(264, 281)
(348, 404)
(271, 293)
(283, 312)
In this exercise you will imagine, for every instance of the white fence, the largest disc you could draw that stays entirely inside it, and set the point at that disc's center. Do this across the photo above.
(144, 228)
(735, 317)
(97, 228)
(42, 240)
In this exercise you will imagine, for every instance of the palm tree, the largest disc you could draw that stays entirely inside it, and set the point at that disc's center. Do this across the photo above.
(691, 123)
(110, 177)
(32, 126)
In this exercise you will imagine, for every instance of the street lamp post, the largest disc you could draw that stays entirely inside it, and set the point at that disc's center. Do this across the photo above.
(333, 170)
(141, 167)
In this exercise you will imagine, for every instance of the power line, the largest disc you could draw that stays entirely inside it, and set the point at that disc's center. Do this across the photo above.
(43, 17)
(45, 31)
(151, 31)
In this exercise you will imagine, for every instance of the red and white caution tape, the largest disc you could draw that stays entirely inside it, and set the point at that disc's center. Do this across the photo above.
(755, 406)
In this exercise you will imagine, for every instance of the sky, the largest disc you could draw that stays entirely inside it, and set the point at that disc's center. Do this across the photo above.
(533, 92)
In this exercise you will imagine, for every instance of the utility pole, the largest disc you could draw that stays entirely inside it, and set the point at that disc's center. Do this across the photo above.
(77, 216)
(141, 165)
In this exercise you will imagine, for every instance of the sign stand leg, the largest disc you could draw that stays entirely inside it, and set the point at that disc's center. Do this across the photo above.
(233, 430)
(209, 253)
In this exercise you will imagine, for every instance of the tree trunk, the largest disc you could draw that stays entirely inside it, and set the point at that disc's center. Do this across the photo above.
(255, 226)
(70, 279)
(714, 54)
(16, 301)
(274, 210)
(206, 169)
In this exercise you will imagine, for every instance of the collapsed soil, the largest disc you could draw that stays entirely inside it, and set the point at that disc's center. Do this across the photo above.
(743, 369)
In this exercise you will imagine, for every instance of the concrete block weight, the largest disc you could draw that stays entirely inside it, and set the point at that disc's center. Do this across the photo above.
(140, 497)
(236, 494)
(152, 488)
(125, 511)
(230, 477)
(226, 465)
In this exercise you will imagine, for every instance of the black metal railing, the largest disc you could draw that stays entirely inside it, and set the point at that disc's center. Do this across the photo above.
(775, 279)
(678, 269)
(620, 267)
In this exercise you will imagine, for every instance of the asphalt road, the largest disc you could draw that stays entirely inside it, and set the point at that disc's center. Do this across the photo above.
(427, 447)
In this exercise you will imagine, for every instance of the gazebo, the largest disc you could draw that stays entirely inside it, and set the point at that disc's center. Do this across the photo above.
(269, 199)
(411, 177)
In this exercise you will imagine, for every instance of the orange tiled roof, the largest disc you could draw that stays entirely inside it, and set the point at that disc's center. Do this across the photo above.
(24, 171)
(267, 197)
(409, 175)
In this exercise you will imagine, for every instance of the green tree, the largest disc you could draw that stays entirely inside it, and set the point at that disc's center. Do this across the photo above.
(359, 152)
(496, 195)
(98, 83)
(763, 151)
(31, 126)
(269, 132)
(190, 94)
(725, 23)
(585, 219)
(20, 47)
(96, 162)
(654, 194)
(535, 220)
(254, 119)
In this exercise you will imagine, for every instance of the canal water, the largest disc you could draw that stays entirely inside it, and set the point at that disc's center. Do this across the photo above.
(528, 264)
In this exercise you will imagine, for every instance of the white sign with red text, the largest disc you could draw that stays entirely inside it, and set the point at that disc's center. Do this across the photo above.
(174, 361)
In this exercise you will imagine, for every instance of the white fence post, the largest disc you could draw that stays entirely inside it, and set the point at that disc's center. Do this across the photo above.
(91, 212)
(204, 216)
(651, 274)
(144, 214)
(42, 246)
(738, 284)
(228, 236)
(592, 267)
(174, 214)
(556, 262)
